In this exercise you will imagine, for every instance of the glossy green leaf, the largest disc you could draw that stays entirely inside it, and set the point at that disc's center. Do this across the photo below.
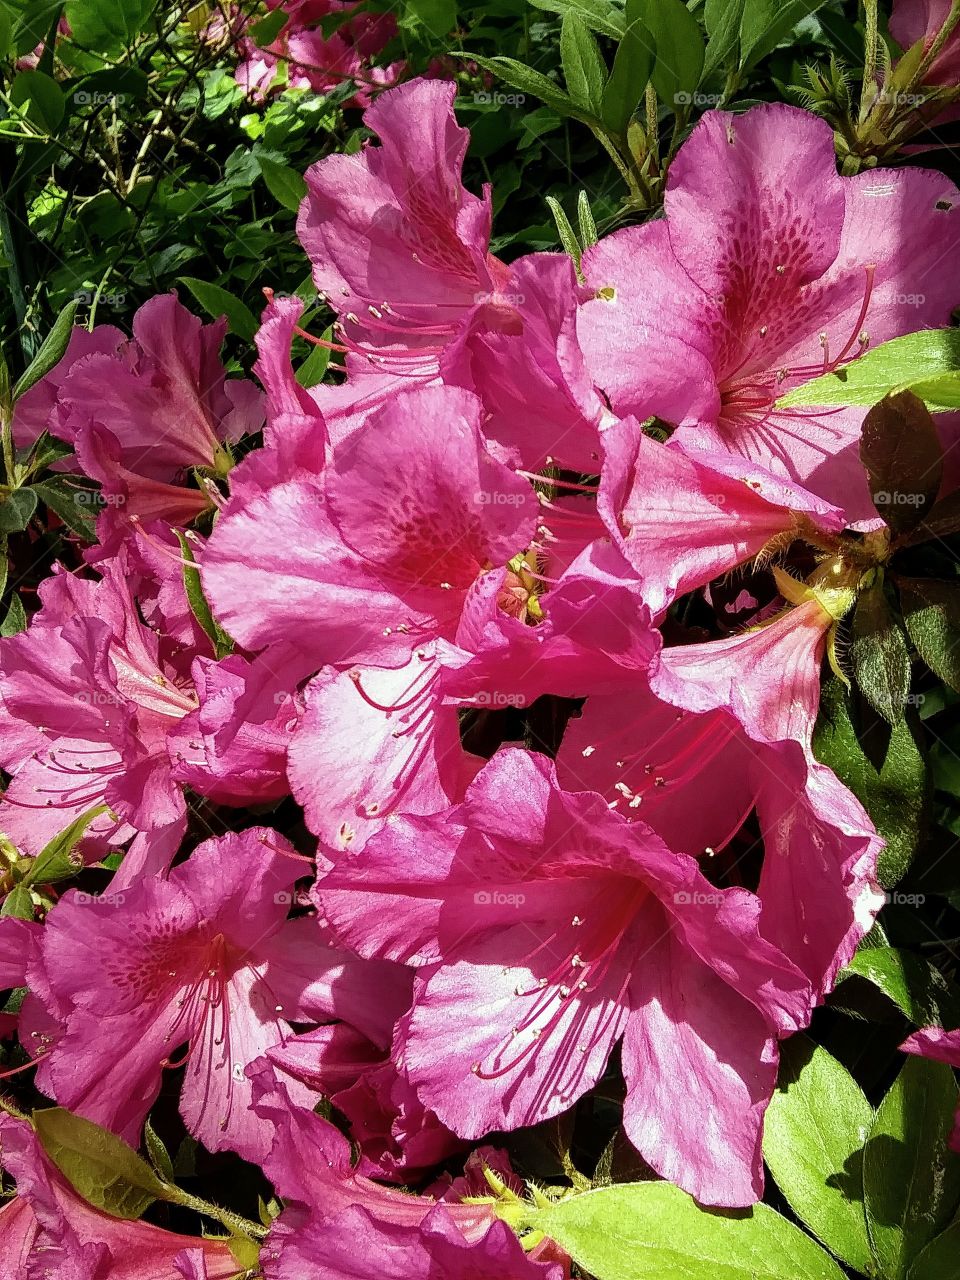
(902, 364)
(198, 602)
(264, 32)
(100, 1167)
(814, 1131)
(106, 26)
(680, 49)
(641, 1230)
(15, 620)
(938, 1261)
(40, 98)
(218, 302)
(56, 860)
(599, 15)
(911, 1180)
(51, 351)
(632, 65)
(74, 501)
(438, 16)
(901, 452)
(529, 81)
(18, 903)
(284, 183)
(915, 986)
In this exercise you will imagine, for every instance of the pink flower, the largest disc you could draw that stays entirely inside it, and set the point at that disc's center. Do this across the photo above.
(48, 1230)
(730, 722)
(547, 930)
(143, 413)
(206, 959)
(399, 248)
(767, 270)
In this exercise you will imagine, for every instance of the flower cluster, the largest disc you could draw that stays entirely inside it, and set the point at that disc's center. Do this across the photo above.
(527, 612)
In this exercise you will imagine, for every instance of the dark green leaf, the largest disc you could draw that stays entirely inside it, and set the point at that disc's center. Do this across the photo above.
(895, 795)
(680, 49)
(901, 452)
(529, 81)
(814, 1131)
(722, 19)
(938, 1261)
(199, 603)
(264, 32)
(51, 351)
(105, 26)
(583, 67)
(879, 656)
(101, 1167)
(6, 32)
(16, 619)
(911, 1180)
(32, 20)
(632, 65)
(599, 15)
(931, 612)
(284, 183)
(915, 986)
(159, 1156)
(942, 521)
(314, 367)
(218, 302)
(16, 510)
(767, 22)
(40, 98)
(438, 16)
(642, 1230)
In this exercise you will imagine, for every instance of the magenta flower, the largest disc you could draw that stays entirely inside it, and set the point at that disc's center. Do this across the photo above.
(399, 248)
(548, 929)
(204, 959)
(48, 1230)
(767, 270)
(143, 413)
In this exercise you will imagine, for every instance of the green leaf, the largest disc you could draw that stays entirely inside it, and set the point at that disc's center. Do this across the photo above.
(105, 26)
(938, 1261)
(568, 237)
(55, 861)
(722, 19)
(438, 16)
(588, 228)
(901, 452)
(680, 49)
(916, 359)
(16, 619)
(632, 65)
(529, 81)
(599, 15)
(159, 1156)
(18, 903)
(199, 604)
(40, 98)
(16, 510)
(766, 22)
(911, 1180)
(878, 655)
(101, 1167)
(312, 370)
(218, 302)
(813, 1136)
(6, 32)
(264, 32)
(915, 986)
(73, 501)
(284, 183)
(51, 351)
(583, 66)
(931, 613)
(647, 1230)
(895, 795)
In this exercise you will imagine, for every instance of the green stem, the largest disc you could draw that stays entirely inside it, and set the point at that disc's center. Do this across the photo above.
(871, 37)
(232, 1221)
